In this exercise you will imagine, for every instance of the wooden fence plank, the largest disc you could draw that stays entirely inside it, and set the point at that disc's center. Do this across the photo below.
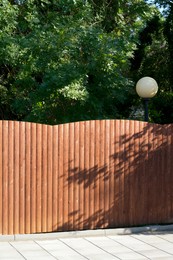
(44, 205)
(33, 177)
(71, 177)
(61, 178)
(11, 177)
(136, 180)
(1, 179)
(86, 182)
(55, 179)
(28, 178)
(102, 171)
(76, 175)
(49, 179)
(106, 174)
(91, 177)
(81, 175)
(111, 174)
(132, 167)
(5, 181)
(97, 173)
(22, 177)
(91, 174)
(16, 178)
(65, 175)
(116, 158)
(38, 177)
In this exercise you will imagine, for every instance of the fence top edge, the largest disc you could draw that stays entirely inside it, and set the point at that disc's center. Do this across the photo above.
(85, 121)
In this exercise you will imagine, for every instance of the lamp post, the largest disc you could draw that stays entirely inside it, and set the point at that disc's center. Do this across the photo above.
(146, 88)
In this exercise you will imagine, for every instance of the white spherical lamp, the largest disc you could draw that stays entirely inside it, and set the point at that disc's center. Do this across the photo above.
(146, 87)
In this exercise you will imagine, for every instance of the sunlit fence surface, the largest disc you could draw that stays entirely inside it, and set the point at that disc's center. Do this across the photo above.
(84, 175)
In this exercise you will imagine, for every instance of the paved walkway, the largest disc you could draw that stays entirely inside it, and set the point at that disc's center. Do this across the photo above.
(148, 245)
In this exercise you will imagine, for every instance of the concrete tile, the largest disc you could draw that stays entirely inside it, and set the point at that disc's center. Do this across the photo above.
(6, 238)
(162, 258)
(109, 245)
(7, 251)
(167, 237)
(12, 258)
(101, 257)
(157, 242)
(152, 254)
(88, 249)
(30, 249)
(131, 242)
(77, 257)
(130, 256)
(60, 250)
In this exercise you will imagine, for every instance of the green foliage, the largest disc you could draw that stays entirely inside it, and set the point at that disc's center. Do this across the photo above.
(69, 60)
(154, 57)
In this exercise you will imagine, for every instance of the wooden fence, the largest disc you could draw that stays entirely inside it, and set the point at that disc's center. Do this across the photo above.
(84, 175)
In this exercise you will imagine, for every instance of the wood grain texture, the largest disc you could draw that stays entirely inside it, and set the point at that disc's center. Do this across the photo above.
(84, 175)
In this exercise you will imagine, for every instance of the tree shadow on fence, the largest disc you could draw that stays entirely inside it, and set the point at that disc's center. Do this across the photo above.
(132, 188)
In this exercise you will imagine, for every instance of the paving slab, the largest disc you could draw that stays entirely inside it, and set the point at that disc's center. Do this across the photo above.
(106, 245)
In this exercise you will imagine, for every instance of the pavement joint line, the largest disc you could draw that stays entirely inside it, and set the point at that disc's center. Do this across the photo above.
(130, 248)
(16, 249)
(152, 245)
(49, 253)
(101, 248)
(165, 239)
(74, 249)
(86, 233)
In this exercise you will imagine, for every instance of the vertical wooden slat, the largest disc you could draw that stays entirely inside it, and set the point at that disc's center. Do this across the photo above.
(141, 171)
(71, 176)
(65, 174)
(38, 177)
(97, 173)
(16, 178)
(11, 177)
(55, 178)
(1, 174)
(149, 172)
(126, 172)
(169, 172)
(102, 170)
(121, 209)
(117, 173)
(91, 178)
(22, 177)
(136, 190)
(86, 200)
(132, 167)
(107, 173)
(76, 175)
(112, 174)
(159, 170)
(81, 175)
(44, 178)
(171, 175)
(156, 170)
(33, 177)
(49, 180)
(164, 173)
(27, 178)
(5, 183)
(167, 165)
(61, 178)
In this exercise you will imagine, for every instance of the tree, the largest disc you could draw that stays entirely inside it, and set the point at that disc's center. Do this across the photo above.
(60, 61)
(153, 57)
